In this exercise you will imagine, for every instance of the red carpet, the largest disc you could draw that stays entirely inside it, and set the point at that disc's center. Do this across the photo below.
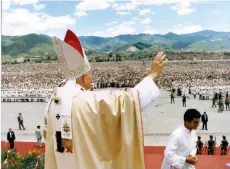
(153, 156)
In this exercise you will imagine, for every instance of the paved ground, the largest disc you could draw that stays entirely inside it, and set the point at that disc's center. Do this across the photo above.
(160, 119)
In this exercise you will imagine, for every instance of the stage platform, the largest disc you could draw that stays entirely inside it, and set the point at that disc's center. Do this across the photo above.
(153, 156)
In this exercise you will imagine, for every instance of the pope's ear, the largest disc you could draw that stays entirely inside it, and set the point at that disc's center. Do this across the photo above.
(84, 78)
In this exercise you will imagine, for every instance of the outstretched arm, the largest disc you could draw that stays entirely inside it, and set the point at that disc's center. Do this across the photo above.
(148, 90)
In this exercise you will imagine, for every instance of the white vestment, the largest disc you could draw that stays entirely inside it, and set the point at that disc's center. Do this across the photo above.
(181, 144)
(148, 92)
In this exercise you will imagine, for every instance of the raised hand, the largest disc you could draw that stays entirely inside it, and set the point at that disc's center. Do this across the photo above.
(158, 63)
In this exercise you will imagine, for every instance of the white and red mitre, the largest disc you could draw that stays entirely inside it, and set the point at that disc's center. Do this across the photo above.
(71, 55)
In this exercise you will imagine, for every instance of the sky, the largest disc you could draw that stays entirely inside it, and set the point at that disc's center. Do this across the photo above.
(109, 18)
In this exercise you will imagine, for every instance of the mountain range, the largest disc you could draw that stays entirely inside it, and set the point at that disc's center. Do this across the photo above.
(33, 45)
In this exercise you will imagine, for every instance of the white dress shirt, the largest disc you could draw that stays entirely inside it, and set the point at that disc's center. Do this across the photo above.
(181, 144)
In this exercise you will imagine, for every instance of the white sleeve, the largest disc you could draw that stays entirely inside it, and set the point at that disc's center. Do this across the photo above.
(148, 92)
(194, 150)
(46, 113)
(170, 153)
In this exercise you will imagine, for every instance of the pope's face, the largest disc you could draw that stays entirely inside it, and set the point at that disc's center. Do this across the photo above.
(88, 80)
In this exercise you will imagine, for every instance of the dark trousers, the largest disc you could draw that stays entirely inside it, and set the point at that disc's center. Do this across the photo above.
(21, 124)
(205, 126)
(60, 148)
(211, 152)
(227, 107)
(172, 100)
(11, 144)
(223, 151)
(184, 103)
(199, 151)
(213, 103)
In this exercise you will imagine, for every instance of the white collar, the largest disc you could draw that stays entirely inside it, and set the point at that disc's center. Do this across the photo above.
(78, 85)
(186, 130)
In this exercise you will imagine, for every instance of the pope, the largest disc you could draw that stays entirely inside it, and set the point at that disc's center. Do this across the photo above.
(95, 129)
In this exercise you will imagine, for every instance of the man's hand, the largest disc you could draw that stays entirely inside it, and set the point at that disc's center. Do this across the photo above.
(158, 63)
(192, 160)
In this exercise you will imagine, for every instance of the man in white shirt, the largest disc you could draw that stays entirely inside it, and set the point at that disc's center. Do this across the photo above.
(38, 134)
(181, 149)
(20, 121)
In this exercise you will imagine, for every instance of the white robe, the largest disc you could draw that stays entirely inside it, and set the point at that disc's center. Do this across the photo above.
(148, 92)
(181, 144)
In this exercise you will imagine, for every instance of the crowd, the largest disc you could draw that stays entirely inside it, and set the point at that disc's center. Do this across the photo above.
(42, 76)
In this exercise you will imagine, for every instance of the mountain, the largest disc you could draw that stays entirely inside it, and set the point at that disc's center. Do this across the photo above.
(27, 45)
(33, 45)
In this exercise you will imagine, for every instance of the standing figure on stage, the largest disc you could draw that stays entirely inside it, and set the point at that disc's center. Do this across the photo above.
(204, 119)
(20, 121)
(224, 146)
(184, 100)
(214, 101)
(220, 106)
(199, 146)
(11, 138)
(227, 102)
(211, 146)
(172, 97)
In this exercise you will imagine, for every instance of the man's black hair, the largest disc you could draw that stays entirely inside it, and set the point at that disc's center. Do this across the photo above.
(224, 137)
(38, 127)
(191, 114)
(199, 137)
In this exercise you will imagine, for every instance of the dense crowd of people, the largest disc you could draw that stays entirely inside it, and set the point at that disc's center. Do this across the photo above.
(43, 76)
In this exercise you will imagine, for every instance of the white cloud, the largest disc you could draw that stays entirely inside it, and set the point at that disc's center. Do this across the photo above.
(150, 31)
(5, 5)
(183, 8)
(39, 6)
(80, 13)
(135, 19)
(216, 12)
(124, 6)
(123, 13)
(144, 12)
(146, 21)
(25, 2)
(181, 29)
(93, 5)
(111, 23)
(22, 21)
(128, 23)
(121, 29)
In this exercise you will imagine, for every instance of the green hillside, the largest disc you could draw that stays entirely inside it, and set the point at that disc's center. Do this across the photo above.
(34, 45)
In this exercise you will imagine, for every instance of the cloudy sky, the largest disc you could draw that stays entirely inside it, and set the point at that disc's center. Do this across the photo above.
(109, 18)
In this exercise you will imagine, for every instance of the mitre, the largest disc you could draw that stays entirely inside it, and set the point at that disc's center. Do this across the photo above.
(71, 55)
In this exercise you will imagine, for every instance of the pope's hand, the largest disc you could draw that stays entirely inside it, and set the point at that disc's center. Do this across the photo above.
(158, 63)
